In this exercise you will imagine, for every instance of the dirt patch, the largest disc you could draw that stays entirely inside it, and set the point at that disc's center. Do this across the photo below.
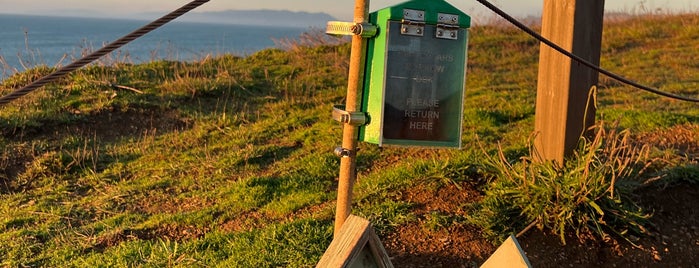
(174, 232)
(109, 126)
(171, 232)
(674, 239)
(170, 204)
(674, 242)
(455, 246)
(244, 222)
(419, 244)
(256, 219)
(12, 162)
(683, 138)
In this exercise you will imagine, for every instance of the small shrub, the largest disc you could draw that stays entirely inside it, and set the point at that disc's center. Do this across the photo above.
(688, 174)
(588, 194)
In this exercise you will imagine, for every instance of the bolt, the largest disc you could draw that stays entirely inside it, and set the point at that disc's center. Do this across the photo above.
(454, 19)
(404, 29)
(419, 31)
(356, 29)
(440, 33)
(453, 35)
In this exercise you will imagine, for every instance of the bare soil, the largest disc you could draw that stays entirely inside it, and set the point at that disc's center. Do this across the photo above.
(418, 245)
(674, 239)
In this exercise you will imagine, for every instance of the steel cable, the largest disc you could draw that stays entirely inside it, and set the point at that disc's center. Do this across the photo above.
(101, 52)
(542, 39)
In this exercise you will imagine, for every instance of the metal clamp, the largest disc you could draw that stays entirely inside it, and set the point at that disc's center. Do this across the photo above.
(351, 118)
(343, 152)
(365, 30)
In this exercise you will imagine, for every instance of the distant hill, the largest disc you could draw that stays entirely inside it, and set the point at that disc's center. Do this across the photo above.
(261, 17)
(298, 19)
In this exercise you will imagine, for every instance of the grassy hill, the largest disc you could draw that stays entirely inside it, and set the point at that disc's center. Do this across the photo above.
(228, 161)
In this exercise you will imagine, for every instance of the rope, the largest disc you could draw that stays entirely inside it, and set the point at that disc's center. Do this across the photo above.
(101, 52)
(542, 39)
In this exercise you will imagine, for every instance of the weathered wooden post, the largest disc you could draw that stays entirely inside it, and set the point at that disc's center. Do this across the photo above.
(564, 109)
(348, 174)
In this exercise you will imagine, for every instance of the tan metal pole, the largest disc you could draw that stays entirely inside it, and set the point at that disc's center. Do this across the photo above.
(348, 164)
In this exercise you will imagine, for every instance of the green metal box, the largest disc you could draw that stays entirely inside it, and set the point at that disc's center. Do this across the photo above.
(415, 75)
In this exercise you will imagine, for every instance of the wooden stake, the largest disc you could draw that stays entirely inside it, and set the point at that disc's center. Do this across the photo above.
(564, 109)
(348, 164)
(356, 245)
(509, 254)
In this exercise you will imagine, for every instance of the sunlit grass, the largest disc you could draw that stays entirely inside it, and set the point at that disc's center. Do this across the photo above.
(228, 160)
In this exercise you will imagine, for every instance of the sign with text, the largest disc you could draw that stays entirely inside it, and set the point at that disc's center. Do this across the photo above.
(415, 78)
(423, 89)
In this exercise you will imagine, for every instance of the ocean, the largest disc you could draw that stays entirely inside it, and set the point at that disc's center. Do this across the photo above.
(30, 41)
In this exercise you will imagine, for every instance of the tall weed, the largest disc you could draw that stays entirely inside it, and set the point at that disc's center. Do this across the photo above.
(589, 194)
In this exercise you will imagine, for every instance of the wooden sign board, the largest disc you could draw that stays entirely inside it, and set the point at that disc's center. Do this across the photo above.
(355, 246)
(509, 254)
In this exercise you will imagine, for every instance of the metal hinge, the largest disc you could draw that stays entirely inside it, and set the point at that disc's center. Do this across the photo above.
(413, 22)
(447, 26)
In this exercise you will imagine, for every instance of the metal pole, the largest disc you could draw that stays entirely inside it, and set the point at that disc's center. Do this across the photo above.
(348, 164)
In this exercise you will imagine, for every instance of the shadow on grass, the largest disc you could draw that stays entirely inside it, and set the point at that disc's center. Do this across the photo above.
(106, 126)
(68, 146)
(270, 155)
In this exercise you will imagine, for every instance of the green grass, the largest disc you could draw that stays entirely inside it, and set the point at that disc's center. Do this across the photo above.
(228, 161)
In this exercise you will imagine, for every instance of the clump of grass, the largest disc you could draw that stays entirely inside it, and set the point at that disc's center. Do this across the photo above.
(590, 194)
(677, 174)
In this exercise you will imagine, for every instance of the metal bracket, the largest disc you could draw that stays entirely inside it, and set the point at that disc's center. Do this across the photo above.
(413, 22)
(365, 30)
(447, 26)
(352, 118)
(343, 152)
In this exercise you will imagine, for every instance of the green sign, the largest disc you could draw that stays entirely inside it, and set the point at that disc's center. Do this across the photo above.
(415, 75)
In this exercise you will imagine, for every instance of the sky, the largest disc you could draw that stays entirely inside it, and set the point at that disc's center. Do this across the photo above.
(340, 9)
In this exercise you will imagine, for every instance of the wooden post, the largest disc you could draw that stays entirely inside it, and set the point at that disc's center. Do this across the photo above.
(348, 173)
(564, 109)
